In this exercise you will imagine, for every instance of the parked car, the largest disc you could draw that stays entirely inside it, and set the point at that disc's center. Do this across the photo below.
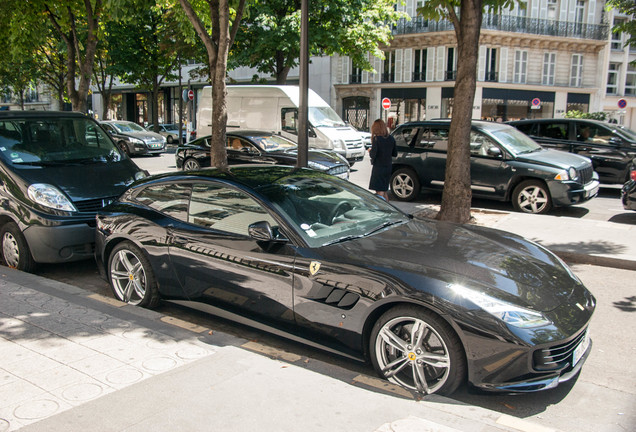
(628, 192)
(505, 165)
(325, 262)
(610, 147)
(57, 169)
(248, 146)
(132, 139)
(170, 132)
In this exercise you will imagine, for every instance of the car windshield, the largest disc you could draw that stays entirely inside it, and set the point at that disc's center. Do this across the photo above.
(55, 140)
(515, 141)
(324, 117)
(626, 131)
(273, 142)
(327, 210)
(128, 127)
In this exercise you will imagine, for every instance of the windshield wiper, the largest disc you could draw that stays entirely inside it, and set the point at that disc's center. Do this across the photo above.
(343, 239)
(38, 163)
(384, 225)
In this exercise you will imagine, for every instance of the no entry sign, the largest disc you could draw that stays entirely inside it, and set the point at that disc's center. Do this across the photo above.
(386, 103)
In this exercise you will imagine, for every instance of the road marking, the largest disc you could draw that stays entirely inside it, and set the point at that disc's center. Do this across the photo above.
(183, 324)
(383, 385)
(108, 300)
(522, 425)
(271, 352)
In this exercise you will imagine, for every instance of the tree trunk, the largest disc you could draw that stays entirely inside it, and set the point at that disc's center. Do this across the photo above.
(281, 76)
(457, 195)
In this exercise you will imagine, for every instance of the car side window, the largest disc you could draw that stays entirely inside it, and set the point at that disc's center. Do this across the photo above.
(169, 198)
(527, 128)
(289, 117)
(234, 143)
(406, 136)
(557, 130)
(480, 144)
(225, 209)
(438, 139)
(592, 133)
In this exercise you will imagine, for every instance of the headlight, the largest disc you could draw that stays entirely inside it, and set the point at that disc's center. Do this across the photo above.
(140, 175)
(317, 166)
(49, 196)
(339, 144)
(135, 140)
(573, 174)
(510, 314)
(562, 176)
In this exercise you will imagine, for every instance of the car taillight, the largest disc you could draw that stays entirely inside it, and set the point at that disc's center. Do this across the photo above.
(632, 175)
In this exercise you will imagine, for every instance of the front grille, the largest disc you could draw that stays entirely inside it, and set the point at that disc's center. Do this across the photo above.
(557, 357)
(586, 174)
(353, 144)
(92, 206)
(340, 169)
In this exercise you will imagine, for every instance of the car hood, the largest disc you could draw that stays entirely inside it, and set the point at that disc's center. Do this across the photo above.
(502, 264)
(555, 158)
(322, 157)
(144, 136)
(82, 182)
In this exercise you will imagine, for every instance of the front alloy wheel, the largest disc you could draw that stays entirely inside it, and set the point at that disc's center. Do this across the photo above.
(191, 164)
(415, 349)
(131, 276)
(531, 196)
(405, 185)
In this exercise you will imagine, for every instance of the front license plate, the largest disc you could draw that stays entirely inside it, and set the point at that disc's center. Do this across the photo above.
(580, 350)
(592, 192)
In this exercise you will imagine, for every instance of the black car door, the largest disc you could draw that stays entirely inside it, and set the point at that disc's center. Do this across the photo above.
(217, 263)
(241, 151)
(489, 173)
(606, 149)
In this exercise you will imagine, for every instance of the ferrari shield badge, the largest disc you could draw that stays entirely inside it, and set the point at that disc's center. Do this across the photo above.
(314, 266)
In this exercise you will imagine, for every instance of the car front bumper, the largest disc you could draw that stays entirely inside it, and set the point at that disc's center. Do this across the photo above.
(61, 243)
(568, 193)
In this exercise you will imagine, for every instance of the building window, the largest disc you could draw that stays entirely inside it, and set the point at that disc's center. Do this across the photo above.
(612, 79)
(450, 64)
(630, 81)
(356, 75)
(552, 9)
(576, 71)
(491, 65)
(549, 64)
(521, 67)
(617, 38)
(579, 11)
(419, 65)
(388, 74)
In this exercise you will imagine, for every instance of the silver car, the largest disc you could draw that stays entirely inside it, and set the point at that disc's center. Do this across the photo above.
(133, 139)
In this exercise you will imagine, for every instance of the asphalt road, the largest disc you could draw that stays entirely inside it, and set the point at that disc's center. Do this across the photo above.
(603, 396)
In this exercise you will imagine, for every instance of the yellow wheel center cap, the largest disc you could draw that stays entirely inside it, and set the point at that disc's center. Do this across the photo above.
(412, 356)
(131, 277)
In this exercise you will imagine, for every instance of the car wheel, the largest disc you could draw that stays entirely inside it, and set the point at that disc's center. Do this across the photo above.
(131, 277)
(191, 164)
(124, 147)
(15, 250)
(405, 185)
(531, 196)
(414, 348)
(169, 139)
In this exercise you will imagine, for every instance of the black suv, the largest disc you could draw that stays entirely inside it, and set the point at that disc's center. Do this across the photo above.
(505, 165)
(56, 169)
(610, 147)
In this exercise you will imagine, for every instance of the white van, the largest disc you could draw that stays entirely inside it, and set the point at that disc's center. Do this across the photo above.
(275, 109)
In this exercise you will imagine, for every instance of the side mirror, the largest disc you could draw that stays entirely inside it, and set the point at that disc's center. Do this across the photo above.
(262, 231)
(494, 151)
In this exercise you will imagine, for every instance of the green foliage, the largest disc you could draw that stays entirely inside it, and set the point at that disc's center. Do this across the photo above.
(628, 7)
(583, 115)
(269, 38)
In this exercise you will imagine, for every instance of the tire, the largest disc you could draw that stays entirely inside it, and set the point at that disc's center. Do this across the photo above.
(191, 164)
(431, 362)
(15, 250)
(131, 277)
(532, 196)
(405, 185)
(170, 139)
(124, 147)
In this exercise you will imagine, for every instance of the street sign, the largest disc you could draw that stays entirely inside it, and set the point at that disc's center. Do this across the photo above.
(386, 103)
(536, 102)
(191, 94)
(622, 103)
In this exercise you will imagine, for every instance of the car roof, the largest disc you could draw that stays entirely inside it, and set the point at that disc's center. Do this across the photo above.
(249, 132)
(481, 124)
(550, 120)
(41, 114)
(250, 175)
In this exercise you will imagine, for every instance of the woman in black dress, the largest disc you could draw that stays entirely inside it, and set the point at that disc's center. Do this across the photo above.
(383, 149)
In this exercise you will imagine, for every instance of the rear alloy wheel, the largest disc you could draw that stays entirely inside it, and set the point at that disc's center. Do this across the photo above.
(131, 276)
(405, 185)
(124, 147)
(169, 139)
(191, 164)
(414, 348)
(531, 196)
(15, 250)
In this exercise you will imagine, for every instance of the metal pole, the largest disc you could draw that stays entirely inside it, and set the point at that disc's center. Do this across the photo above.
(303, 142)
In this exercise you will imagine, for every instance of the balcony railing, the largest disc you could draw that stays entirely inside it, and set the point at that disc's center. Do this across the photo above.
(419, 76)
(388, 77)
(355, 78)
(450, 75)
(512, 24)
(492, 76)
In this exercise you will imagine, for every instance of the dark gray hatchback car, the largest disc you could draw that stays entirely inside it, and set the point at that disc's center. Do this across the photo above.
(610, 147)
(506, 165)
